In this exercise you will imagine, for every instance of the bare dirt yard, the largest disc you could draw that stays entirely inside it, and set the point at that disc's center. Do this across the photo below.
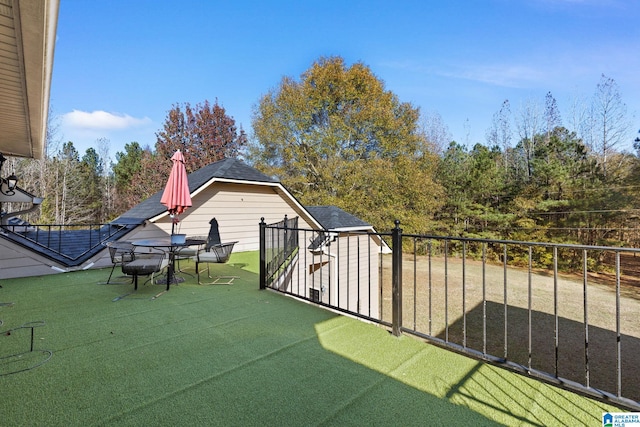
(435, 302)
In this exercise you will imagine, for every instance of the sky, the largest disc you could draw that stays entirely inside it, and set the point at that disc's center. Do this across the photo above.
(121, 65)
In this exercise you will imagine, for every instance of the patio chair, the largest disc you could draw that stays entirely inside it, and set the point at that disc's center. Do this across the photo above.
(144, 264)
(120, 252)
(189, 251)
(214, 252)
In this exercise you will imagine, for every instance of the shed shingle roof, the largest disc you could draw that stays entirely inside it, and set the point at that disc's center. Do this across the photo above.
(329, 217)
(231, 169)
(333, 218)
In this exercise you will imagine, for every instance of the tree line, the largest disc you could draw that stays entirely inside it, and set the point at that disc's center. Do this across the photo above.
(337, 136)
(91, 189)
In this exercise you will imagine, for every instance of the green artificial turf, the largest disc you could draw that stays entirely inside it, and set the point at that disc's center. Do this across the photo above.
(235, 355)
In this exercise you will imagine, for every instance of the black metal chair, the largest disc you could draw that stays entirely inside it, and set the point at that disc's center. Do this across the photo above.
(189, 251)
(120, 252)
(214, 252)
(145, 264)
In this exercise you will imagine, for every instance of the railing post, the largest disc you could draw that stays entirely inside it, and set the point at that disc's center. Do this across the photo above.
(263, 254)
(396, 280)
(285, 254)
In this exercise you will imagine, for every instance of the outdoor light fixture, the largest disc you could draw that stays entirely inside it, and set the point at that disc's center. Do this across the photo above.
(11, 181)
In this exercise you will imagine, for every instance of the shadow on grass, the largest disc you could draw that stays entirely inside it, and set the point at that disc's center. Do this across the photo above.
(571, 359)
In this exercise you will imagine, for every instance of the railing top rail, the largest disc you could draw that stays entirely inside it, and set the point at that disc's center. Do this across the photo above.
(525, 243)
(474, 239)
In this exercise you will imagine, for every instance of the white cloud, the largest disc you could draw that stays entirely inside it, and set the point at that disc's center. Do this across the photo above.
(506, 75)
(102, 120)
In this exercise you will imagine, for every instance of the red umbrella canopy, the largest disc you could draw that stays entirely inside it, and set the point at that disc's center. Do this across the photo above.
(176, 196)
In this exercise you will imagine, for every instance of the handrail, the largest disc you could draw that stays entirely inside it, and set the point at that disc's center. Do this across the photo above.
(508, 302)
(69, 241)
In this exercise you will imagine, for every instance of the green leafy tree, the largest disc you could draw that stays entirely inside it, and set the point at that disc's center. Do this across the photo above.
(337, 136)
(474, 183)
(91, 174)
(127, 166)
(453, 174)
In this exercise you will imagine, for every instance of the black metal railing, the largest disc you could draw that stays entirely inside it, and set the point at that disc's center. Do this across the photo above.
(565, 314)
(280, 246)
(70, 242)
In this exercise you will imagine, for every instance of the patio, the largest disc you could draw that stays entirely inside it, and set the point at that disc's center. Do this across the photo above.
(235, 355)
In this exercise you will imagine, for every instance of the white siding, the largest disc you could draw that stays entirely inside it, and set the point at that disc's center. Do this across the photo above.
(16, 261)
(238, 209)
(346, 274)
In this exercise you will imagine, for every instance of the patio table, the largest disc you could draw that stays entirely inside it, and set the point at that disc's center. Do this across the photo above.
(165, 244)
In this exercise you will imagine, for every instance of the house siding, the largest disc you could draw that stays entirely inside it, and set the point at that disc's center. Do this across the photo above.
(237, 207)
(353, 284)
(16, 261)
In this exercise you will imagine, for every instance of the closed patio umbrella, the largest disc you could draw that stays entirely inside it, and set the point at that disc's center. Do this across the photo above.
(176, 196)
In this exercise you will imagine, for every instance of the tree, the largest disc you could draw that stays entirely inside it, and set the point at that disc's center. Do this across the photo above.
(204, 134)
(91, 173)
(552, 116)
(453, 174)
(337, 136)
(499, 134)
(474, 186)
(436, 131)
(127, 165)
(136, 175)
(528, 123)
(61, 201)
(609, 118)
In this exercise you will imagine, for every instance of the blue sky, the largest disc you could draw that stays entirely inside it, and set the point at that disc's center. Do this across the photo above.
(120, 65)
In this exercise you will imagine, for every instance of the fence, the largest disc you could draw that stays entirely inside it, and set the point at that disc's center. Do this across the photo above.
(280, 243)
(565, 314)
(68, 242)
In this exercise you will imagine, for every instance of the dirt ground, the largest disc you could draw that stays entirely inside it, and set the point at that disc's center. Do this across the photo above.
(438, 310)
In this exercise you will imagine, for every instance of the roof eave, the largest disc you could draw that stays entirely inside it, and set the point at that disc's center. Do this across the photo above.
(33, 43)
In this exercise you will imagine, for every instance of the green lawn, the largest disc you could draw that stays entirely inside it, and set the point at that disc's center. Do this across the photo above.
(235, 355)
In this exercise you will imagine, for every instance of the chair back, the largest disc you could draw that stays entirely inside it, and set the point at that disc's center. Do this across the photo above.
(214, 235)
(119, 251)
(223, 251)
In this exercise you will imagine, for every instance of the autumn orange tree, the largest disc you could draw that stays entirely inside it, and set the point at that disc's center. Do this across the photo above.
(204, 133)
(338, 137)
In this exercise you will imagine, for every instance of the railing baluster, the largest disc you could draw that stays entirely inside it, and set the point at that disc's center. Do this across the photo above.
(446, 290)
(484, 298)
(464, 290)
(430, 284)
(397, 280)
(359, 299)
(504, 260)
(529, 307)
(586, 317)
(618, 336)
(555, 308)
(349, 270)
(415, 281)
(306, 272)
(369, 273)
